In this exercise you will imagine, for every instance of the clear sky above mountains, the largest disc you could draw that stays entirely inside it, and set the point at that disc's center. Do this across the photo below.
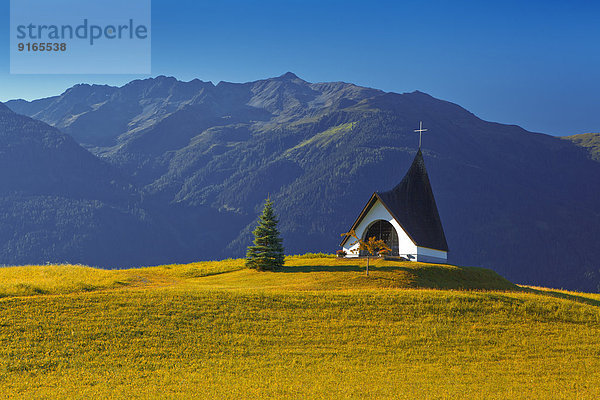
(535, 64)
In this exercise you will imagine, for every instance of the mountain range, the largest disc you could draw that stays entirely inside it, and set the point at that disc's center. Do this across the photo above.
(181, 170)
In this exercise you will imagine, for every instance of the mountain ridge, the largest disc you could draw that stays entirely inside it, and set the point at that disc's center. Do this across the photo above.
(511, 200)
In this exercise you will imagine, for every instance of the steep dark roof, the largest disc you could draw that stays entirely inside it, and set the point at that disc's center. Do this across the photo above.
(412, 204)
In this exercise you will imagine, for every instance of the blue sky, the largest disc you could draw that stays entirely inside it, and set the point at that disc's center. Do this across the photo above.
(535, 64)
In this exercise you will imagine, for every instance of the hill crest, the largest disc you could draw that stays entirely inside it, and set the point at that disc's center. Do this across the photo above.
(300, 273)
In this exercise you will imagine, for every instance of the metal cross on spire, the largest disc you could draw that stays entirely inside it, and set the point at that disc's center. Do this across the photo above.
(420, 130)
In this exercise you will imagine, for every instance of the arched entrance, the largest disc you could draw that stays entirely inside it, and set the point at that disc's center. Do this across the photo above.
(385, 231)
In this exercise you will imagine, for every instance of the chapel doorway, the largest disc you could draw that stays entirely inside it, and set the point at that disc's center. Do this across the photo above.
(383, 230)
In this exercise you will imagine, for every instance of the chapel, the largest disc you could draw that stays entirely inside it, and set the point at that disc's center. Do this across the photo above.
(406, 218)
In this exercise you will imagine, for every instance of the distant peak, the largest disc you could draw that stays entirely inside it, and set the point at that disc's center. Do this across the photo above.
(289, 76)
(3, 108)
(199, 81)
(78, 87)
(165, 78)
(419, 93)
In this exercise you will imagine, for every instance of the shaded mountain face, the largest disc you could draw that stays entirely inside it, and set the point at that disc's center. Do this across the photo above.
(60, 203)
(36, 158)
(522, 203)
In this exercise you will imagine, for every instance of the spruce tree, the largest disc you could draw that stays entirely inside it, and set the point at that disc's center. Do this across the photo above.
(267, 252)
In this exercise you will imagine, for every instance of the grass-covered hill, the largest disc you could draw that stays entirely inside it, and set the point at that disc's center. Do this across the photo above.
(317, 329)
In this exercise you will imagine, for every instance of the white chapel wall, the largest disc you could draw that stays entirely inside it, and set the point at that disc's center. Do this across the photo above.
(426, 254)
(377, 212)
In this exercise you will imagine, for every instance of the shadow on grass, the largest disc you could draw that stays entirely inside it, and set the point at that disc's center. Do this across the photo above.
(465, 278)
(339, 268)
(565, 296)
(426, 277)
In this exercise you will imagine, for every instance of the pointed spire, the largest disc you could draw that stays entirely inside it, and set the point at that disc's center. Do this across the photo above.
(413, 205)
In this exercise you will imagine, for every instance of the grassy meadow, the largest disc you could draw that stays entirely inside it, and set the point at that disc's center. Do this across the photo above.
(319, 329)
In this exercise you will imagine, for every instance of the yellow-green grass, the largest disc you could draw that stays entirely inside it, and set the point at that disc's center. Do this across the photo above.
(315, 272)
(215, 330)
(349, 274)
(61, 279)
(324, 138)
